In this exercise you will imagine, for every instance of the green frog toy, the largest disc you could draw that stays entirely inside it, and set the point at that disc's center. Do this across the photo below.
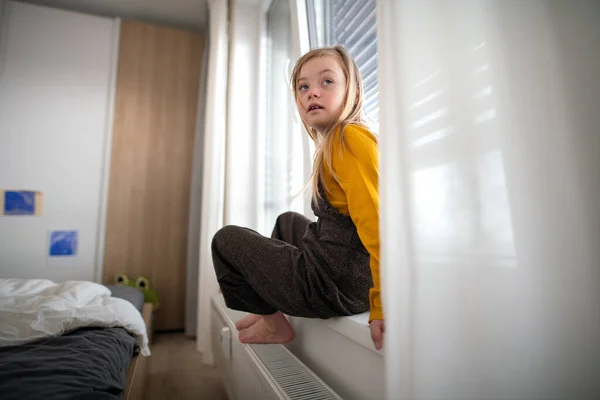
(142, 284)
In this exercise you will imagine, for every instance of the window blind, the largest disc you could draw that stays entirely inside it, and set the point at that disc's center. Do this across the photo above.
(352, 24)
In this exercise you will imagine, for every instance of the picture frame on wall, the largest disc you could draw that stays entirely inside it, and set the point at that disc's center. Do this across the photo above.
(20, 203)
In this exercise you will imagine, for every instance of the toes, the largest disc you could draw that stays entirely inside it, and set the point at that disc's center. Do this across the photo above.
(253, 334)
(247, 322)
(240, 325)
(245, 336)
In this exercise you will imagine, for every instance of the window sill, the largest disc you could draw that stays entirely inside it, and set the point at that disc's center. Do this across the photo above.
(355, 327)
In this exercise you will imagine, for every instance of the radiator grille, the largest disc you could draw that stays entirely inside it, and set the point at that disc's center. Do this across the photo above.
(293, 378)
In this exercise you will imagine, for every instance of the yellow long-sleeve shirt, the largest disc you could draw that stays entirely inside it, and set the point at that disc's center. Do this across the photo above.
(357, 195)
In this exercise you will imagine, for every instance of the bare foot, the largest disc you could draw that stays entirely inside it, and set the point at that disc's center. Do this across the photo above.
(247, 321)
(269, 329)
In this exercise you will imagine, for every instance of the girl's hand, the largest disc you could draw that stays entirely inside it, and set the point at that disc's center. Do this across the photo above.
(377, 330)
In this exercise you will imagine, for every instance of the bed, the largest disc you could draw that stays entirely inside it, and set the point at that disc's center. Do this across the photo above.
(73, 340)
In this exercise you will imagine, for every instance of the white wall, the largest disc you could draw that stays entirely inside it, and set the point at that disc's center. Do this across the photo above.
(54, 103)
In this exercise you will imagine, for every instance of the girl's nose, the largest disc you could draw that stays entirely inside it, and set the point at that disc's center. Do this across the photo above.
(313, 92)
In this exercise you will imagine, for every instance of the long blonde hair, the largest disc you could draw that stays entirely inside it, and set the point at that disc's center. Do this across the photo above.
(350, 113)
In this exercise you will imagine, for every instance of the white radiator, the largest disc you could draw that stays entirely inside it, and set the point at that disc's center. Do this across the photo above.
(260, 372)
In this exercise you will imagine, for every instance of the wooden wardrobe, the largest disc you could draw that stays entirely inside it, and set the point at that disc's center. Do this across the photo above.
(155, 116)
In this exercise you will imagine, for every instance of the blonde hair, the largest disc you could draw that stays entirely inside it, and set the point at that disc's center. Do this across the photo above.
(350, 113)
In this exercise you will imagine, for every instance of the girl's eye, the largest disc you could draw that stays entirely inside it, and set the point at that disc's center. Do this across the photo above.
(327, 82)
(303, 87)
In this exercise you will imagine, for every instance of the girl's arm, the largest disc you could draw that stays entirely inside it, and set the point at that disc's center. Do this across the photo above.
(357, 167)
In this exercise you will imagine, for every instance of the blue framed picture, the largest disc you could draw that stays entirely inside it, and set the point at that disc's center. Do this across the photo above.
(63, 243)
(19, 202)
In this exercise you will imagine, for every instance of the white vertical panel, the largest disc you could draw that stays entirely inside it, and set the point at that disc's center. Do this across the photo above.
(107, 151)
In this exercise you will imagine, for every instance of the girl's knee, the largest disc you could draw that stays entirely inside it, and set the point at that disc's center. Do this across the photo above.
(222, 242)
(224, 237)
(286, 216)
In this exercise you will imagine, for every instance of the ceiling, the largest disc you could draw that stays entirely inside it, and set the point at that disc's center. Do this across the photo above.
(186, 14)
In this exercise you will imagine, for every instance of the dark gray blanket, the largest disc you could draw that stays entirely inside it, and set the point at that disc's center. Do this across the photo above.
(88, 363)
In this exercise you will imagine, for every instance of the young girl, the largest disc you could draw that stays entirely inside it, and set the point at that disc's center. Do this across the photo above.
(316, 269)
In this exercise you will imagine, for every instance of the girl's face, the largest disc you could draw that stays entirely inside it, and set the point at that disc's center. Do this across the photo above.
(321, 89)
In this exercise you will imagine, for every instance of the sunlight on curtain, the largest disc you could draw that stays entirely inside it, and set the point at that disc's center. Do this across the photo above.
(459, 190)
(490, 179)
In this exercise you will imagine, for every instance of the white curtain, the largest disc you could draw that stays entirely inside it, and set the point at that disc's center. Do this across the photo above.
(245, 137)
(213, 180)
(490, 198)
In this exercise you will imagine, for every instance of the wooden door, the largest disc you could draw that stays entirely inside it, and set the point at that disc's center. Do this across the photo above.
(151, 162)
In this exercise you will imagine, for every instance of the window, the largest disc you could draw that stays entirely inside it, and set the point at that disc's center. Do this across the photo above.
(284, 156)
(448, 168)
(288, 150)
(352, 24)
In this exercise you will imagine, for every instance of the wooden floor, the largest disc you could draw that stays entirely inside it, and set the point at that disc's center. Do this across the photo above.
(175, 371)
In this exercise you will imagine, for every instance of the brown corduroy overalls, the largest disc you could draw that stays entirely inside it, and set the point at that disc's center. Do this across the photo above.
(307, 269)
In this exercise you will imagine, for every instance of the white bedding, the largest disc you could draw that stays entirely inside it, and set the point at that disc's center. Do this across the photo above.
(32, 309)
